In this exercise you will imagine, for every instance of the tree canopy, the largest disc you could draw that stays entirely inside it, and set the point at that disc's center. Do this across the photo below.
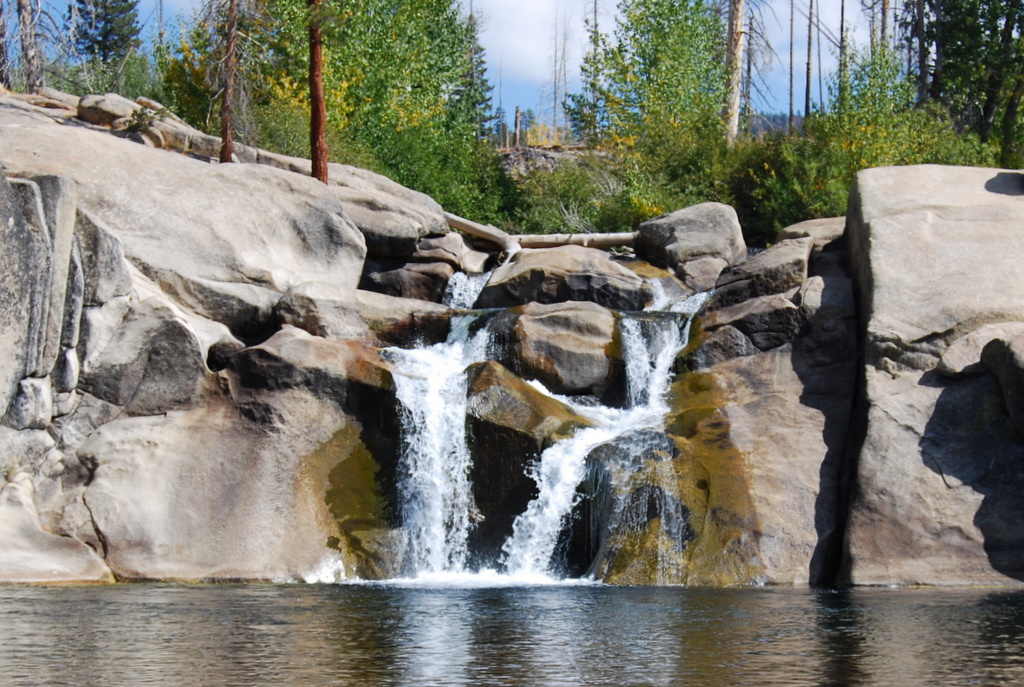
(106, 29)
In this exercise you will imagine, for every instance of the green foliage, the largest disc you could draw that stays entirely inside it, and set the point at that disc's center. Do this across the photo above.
(107, 30)
(592, 194)
(780, 180)
(404, 83)
(773, 181)
(650, 104)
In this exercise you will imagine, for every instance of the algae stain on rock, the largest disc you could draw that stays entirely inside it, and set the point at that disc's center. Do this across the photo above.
(712, 483)
(347, 474)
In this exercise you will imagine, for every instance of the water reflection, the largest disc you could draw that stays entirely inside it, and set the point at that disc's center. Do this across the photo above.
(573, 635)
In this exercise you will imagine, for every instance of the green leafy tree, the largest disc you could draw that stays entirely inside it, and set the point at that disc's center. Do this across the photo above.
(781, 180)
(651, 102)
(107, 30)
(970, 59)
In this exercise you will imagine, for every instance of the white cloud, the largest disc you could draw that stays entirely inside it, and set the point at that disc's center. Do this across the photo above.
(520, 36)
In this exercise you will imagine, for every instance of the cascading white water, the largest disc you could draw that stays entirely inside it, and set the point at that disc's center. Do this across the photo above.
(463, 289)
(434, 485)
(561, 467)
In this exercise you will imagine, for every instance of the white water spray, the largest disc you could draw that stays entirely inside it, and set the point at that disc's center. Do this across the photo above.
(434, 484)
(562, 467)
(463, 289)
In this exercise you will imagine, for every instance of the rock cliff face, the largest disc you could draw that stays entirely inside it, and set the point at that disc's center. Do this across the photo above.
(938, 491)
(195, 384)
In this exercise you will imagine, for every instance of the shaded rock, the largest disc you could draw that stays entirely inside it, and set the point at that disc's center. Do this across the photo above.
(963, 358)
(59, 203)
(74, 299)
(30, 553)
(708, 233)
(938, 486)
(723, 343)
(1005, 358)
(105, 271)
(32, 406)
(335, 312)
(508, 423)
(22, 289)
(420, 281)
(829, 312)
(767, 321)
(344, 373)
(566, 346)
(775, 270)
(452, 249)
(153, 362)
(623, 500)
(566, 273)
(73, 428)
(830, 264)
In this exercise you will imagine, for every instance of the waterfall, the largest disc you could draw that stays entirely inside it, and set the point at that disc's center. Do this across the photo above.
(463, 289)
(434, 488)
(649, 357)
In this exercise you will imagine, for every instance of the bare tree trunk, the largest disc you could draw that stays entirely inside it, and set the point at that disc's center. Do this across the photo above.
(790, 124)
(32, 56)
(997, 77)
(922, 51)
(228, 94)
(317, 102)
(821, 79)
(937, 84)
(885, 23)
(517, 137)
(5, 64)
(844, 78)
(1010, 155)
(734, 67)
(810, 58)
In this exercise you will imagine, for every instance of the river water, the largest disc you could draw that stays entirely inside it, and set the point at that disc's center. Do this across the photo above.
(576, 634)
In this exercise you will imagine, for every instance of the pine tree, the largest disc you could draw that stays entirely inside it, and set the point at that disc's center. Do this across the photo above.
(472, 97)
(107, 29)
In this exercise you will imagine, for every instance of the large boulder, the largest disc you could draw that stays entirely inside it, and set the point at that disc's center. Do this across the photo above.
(393, 218)
(271, 479)
(152, 363)
(24, 292)
(566, 273)
(775, 270)
(697, 242)
(938, 492)
(425, 281)
(508, 423)
(338, 312)
(569, 347)
(245, 234)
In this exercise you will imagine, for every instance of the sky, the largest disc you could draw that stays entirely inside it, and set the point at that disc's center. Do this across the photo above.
(518, 38)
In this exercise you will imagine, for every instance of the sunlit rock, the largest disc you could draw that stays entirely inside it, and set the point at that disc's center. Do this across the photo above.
(938, 490)
(697, 242)
(566, 273)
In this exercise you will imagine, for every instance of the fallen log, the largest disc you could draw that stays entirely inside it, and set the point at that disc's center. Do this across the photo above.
(512, 243)
(482, 231)
(590, 240)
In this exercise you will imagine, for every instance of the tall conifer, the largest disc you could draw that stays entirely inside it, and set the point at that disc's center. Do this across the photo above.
(107, 29)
